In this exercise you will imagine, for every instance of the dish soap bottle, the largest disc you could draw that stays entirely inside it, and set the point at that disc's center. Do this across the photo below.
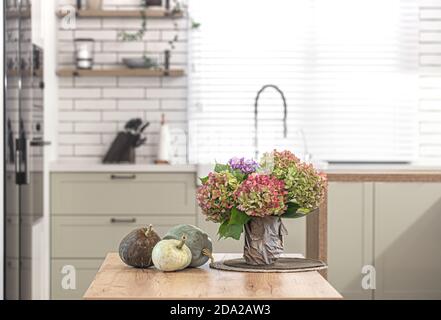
(164, 143)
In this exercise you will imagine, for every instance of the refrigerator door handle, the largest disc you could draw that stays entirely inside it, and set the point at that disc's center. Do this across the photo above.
(39, 143)
(22, 162)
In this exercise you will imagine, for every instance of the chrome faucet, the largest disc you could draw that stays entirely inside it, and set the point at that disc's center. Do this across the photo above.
(285, 115)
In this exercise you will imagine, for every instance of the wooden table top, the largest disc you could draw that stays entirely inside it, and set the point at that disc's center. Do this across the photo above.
(115, 280)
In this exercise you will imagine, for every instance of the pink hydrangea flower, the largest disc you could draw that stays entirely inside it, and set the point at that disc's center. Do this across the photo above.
(261, 195)
(216, 196)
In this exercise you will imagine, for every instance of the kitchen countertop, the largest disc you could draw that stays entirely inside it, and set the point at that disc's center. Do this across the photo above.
(115, 280)
(383, 173)
(335, 172)
(99, 167)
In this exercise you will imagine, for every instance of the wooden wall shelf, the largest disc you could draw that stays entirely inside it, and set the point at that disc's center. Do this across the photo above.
(119, 72)
(149, 13)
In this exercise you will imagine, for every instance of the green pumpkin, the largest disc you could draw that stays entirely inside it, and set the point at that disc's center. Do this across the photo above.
(136, 248)
(197, 241)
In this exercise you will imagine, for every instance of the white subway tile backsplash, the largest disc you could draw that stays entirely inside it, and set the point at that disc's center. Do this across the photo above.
(123, 93)
(90, 82)
(121, 24)
(79, 139)
(79, 116)
(97, 127)
(139, 104)
(96, 150)
(122, 115)
(65, 82)
(65, 59)
(97, 104)
(65, 104)
(65, 35)
(167, 24)
(164, 45)
(87, 24)
(73, 93)
(105, 58)
(97, 34)
(123, 46)
(65, 127)
(139, 82)
(152, 36)
(65, 150)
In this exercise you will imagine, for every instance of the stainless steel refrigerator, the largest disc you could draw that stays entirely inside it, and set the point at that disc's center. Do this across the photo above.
(24, 148)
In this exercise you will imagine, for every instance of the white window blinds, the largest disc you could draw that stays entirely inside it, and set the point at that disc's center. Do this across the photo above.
(348, 69)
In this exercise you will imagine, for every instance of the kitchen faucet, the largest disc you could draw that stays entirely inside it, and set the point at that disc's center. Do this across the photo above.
(285, 115)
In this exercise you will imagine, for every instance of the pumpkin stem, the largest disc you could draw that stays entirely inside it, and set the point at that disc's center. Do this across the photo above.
(183, 239)
(149, 229)
(209, 254)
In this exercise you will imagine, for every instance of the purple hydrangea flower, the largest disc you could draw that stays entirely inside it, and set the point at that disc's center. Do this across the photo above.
(245, 166)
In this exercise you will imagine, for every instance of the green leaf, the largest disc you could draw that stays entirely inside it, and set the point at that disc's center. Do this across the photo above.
(221, 167)
(222, 229)
(230, 230)
(204, 180)
(238, 217)
(293, 212)
(239, 175)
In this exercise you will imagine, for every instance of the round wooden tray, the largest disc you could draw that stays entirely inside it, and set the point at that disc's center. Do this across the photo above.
(281, 265)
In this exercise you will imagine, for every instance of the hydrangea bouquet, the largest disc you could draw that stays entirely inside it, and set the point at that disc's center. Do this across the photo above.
(243, 191)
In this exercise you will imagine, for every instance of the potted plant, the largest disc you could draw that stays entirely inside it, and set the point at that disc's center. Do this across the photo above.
(244, 195)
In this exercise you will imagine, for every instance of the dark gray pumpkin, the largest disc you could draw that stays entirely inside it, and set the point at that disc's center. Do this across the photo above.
(136, 248)
(197, 241)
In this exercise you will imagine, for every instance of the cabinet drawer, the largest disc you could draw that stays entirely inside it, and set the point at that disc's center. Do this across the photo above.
(123, 193)
(94, 237)
(85, 271)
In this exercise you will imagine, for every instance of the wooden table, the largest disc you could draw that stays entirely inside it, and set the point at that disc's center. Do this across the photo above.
(115, 280)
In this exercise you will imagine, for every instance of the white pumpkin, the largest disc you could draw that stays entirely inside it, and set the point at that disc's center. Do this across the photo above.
(171, 255)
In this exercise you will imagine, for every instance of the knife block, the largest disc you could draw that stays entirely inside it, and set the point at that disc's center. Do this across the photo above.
(129, 156)
(122, 149)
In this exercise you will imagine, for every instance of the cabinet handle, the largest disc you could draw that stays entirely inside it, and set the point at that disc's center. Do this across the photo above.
(123, 177)
(114, 220)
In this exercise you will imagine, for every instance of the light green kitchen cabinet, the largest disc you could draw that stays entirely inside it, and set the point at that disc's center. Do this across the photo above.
(350, 236)
(93, 237)
(70, 278)
(123, 194)
(407, 240)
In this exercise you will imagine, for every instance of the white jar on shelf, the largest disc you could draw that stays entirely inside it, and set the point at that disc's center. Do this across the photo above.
(84, 53)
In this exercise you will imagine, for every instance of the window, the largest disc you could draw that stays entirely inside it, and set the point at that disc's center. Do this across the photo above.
(348, 69)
